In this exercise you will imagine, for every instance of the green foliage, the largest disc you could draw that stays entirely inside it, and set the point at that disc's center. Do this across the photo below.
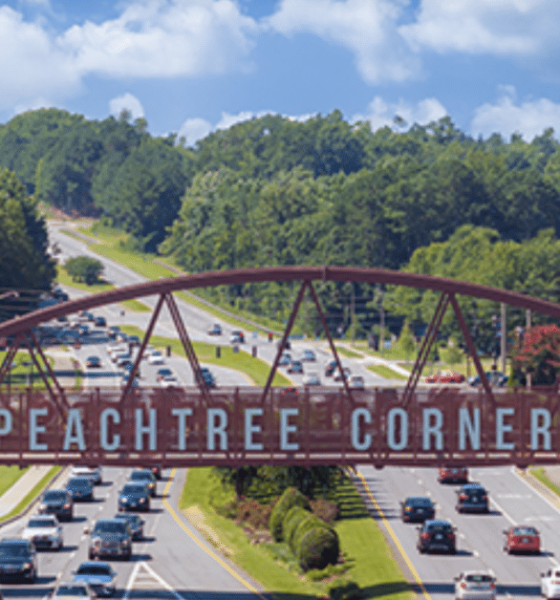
(310, 521)
(406, 340)
(318, 548)
(290, 498)
(84, 268)
(326, 510)
(292, 521)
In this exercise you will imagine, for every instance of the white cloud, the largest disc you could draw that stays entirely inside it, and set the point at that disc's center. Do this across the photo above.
(126, 102)
(528, 119)
(193, 130)
(500, 27)
(380, 113)
(366, 27)
(162, 38)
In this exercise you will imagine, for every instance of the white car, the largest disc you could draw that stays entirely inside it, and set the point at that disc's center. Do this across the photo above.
(475, 585)
(72, 590)
(170, 381)
(550, 583)
(44, 531)
(357, 382)
(116, 349)
(311, 379)
(94, 473)
(155, 358)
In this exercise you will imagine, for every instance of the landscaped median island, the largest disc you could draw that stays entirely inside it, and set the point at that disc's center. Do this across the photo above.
(278, 553)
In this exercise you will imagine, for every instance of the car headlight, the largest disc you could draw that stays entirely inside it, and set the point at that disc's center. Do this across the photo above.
(27, 565)
(142, 500)
(124, 499)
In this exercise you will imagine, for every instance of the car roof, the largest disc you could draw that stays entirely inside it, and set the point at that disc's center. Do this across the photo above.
(473, 486)
(413, 498)
(437, 522)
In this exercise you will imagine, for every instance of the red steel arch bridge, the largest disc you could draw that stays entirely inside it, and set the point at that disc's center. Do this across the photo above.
(198, 426)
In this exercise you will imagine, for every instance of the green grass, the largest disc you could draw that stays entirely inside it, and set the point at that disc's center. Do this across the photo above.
(256, 369)
(8, 476)
(64, 279)
(18, 376)
(367, 554)
(136, 306)
(348, 353)
(386, 372)
(27, 500)
(540, 474)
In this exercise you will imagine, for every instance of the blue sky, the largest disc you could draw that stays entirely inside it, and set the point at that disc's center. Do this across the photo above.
(193, 66)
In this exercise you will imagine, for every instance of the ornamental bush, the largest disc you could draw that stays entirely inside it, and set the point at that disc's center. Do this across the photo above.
(293, 519)
(319, 547)
(310, 521)
(290, 498)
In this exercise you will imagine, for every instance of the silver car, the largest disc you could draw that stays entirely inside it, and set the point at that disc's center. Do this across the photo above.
(72, 590)
(475, 585)
(44, 531)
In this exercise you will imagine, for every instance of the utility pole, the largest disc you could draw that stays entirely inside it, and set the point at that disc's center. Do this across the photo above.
(527, 327)
(503, 339)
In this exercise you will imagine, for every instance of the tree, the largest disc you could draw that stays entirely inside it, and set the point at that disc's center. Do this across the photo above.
(84, 268)
(539, 353)
(406, 340)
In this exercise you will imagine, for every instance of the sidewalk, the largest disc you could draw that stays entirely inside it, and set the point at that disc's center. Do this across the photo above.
(22, 487)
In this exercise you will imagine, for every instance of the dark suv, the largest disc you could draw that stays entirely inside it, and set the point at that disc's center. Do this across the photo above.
(472, 497)
(436, 535)
(59, 503)
(18, 559)
(110, 537)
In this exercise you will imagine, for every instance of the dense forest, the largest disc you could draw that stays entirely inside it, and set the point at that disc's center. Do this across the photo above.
(273, 191)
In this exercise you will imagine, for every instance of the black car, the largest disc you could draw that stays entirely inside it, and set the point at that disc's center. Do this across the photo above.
(80, 488)
(110, 537)
(57, 502)
(18, 559)
(135, 523)
(331, 366)
(417, 508)
(436, 535)
(100, 322)
(135, 496)
(472, 497)
(144, 476)
(207, 377)
(113, 331)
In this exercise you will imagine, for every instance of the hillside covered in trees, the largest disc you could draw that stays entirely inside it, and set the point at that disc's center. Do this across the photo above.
(273, 191)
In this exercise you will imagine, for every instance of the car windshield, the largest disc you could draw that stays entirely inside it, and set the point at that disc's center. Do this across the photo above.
(110, 527)
(479, 578)
(16, 550)
(56, 495)
(72, 590)
(90, 569)
(524, 531)
(132, 519)
(41, 523)
(419, 501)
(141, 475)
(131, 488)
(79, 482)
(439, 527)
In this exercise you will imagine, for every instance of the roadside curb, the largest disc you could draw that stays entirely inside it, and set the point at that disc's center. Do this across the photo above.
(32, 504)
(544, 491)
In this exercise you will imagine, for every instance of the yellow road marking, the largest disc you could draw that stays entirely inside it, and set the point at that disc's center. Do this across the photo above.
(202, 546)
(394, 537)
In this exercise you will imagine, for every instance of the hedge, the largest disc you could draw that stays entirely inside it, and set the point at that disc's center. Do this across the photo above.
(291, 497)
(319, 547)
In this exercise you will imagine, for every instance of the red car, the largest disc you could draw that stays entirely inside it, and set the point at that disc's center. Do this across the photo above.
(522, 539)
(445, 377)
(453, 475)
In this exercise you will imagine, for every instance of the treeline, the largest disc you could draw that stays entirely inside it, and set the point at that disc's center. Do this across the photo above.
(274, 191)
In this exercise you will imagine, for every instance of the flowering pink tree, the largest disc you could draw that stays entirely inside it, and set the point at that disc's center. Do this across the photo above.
(539, 353)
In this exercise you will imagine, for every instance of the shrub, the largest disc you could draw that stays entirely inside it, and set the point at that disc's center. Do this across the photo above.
(252, 512)
(326, 510)
(319, 547)
(311, 521)
(344, 589)
(291, 497)
(294, 517)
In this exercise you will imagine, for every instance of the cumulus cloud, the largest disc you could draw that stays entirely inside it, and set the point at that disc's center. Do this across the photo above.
(194, 129)
(499, 27)
(380, 113)
(366, 27)
(529, 118)
(126, 102)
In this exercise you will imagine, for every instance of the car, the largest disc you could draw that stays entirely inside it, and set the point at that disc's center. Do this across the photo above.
(80, 488)
(156, 358)
(83, 329)
(98, 575)
(122, 337)
(338, 374)
(357, 382)
(550, 583)
(126, 376)
(287, 345)
(121, 359)
(207, 377)
(94, 473)
(135, 496)
(308, 356)
(93, 362)
(72, 590)
(156, 470)
(285, 359)
(331, 366)
(113, 331)
(436, 534)
(289, 391)
(148, 351)
(134, 340)
(445, 377)
(147, 477)
(135, 523)
(312, 379)
(495, 378)
(475, 585)
(472, 497)
(296, 366)
(169, 382)
(44, 531)
(522, 539)
(237, 337)
(18, 559)
(110, 537)
(165, 372)
(216, 329)
(128, 366)
(453, 475)
(100, 322)
(58, 503)
(417, 508)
